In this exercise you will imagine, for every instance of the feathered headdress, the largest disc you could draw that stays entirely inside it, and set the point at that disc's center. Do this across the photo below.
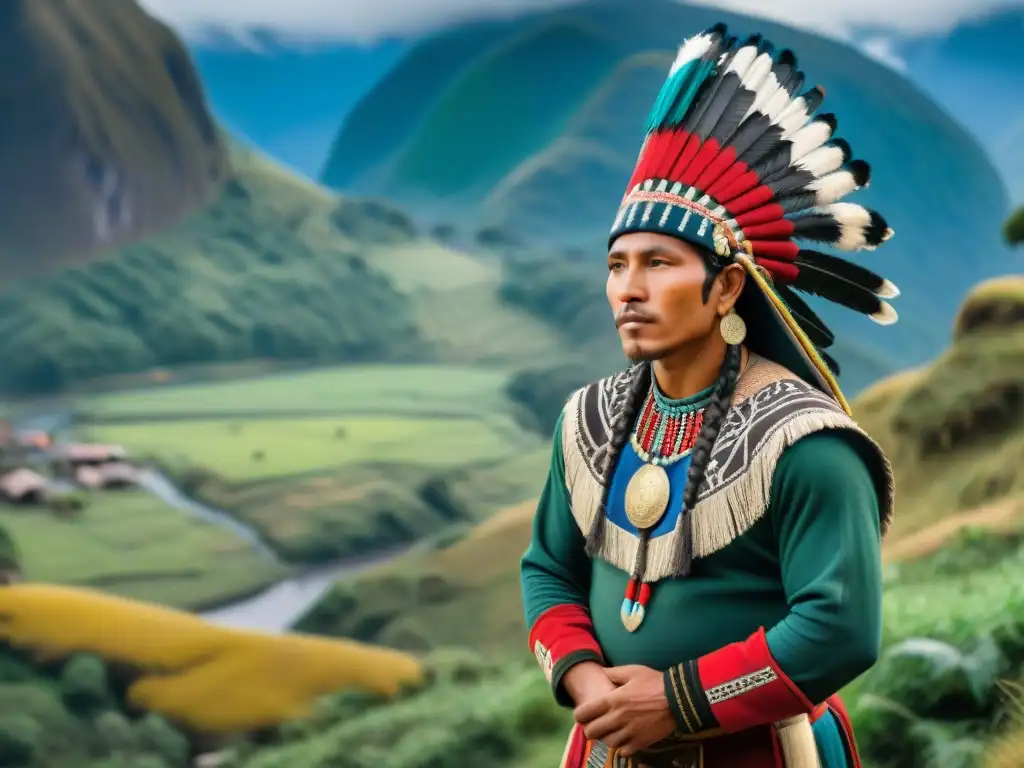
(735, 160)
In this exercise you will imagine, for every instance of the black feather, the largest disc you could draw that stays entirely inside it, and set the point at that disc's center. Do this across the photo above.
(799, 201)
(837, 290)
(793, 181)
(875, 232)
(813, 325)
(733, 115)
(749, 132)
(776, 163)
(841, 269)
(710, 87)
(795, 82)
(821, 227)
(813, 99)
(727, 91)
(861, 171)
(768, 141)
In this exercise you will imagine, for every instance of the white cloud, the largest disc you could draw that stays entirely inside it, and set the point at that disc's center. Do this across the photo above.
(882, 49)
(368, 20)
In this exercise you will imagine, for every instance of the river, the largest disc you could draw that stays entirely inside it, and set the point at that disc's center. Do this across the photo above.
(278, 607)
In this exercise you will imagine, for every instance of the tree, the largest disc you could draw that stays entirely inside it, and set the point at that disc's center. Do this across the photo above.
(1013, 230)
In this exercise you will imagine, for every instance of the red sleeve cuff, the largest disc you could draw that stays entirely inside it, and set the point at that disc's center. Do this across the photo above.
(562, 637)
(734, 688)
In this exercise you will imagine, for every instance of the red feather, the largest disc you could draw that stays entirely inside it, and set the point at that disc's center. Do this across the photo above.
(771, 230)
(755, 198)
(780, 271)
(684, 158)
(746, 182)
(762, 215)
(658, 156)
(715, 169)
(775, 249)
(735, 171)
(700, 162)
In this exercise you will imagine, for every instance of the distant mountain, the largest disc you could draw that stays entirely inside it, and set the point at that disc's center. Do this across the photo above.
(976, 73)
(533, 124)
(105, 135)
(288, 101)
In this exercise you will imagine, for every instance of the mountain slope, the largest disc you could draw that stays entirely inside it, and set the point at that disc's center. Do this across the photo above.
(566, 192)
(276, 269)
(106, 135)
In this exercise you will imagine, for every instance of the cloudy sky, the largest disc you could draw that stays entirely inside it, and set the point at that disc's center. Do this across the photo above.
(369, 20)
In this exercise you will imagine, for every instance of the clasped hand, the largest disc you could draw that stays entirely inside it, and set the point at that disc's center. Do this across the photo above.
(632, 716)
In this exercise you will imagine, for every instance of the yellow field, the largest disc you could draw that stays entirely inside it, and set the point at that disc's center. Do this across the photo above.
(206, 678)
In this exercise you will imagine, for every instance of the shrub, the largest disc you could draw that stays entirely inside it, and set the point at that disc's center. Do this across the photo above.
(115, 733)
(84, 686)
(155, 734)
(20, 736)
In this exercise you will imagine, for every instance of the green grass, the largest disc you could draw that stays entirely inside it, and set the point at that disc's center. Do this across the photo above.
(386, 389)
(301, 446)
(131, 544)
(501, 96)
(333, 462)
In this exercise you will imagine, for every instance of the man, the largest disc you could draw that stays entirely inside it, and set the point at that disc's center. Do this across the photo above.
(705, 568)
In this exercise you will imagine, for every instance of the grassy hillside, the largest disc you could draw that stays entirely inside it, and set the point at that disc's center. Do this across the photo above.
(277, 269)
(336, 461)
(130, 543)
(106, 134)
(565, 192)
(453, 155)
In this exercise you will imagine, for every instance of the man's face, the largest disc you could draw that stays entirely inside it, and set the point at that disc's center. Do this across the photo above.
(656, 293)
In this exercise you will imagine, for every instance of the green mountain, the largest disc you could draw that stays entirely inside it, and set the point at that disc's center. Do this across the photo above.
(106, 134)
(276, 269)
(487, 148)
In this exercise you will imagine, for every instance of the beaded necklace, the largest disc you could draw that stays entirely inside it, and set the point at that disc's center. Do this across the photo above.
(664, 434)
(667, 429)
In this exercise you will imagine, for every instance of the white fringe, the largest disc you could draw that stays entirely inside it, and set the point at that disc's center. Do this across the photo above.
(717, 520)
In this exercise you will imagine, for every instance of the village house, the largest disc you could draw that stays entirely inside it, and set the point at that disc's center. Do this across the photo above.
(87, 454)
(23, 486)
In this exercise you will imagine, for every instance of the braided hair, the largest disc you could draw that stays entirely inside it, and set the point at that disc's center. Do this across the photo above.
(714, 419)
(621, 429)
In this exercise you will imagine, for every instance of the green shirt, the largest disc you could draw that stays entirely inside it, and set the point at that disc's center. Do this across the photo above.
(809, 572)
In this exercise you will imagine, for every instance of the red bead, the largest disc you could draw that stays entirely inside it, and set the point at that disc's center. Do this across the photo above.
(645, 593)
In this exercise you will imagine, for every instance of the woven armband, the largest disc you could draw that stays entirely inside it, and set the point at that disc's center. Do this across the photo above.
(562, 637)
(732, 689)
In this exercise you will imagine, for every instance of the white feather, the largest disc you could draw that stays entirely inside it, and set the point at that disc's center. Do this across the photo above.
(743, 60)
(809, 138)
(691, 50)
(832, 187)
(849, 213)
(776, 104)
(754, 77)
(822, 161)
(792, 120)
(853, 220)
(767, 89)
(885, 315)
(888, 290)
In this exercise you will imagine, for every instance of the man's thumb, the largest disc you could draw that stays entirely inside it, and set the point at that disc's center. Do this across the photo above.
(622, 675)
